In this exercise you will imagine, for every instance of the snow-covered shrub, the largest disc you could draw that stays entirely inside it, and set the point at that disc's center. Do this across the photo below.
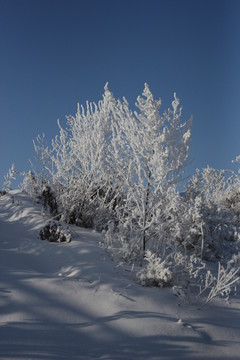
(55, 231)
(193, 280)
(199, 281)
(180, 270)
(207, 221)
(185, 268)
(220, 284)
(156, 272)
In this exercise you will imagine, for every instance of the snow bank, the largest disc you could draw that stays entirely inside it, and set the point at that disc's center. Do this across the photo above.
(69, 301)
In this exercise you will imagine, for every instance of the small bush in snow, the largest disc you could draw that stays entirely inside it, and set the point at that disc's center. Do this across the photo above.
(205, 281)
(156, 273)
(220, 285)
(55, 231)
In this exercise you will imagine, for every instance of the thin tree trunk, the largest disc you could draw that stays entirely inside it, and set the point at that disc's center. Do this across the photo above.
(146, 211)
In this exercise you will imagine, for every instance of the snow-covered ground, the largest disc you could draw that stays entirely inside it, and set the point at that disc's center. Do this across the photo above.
(69, 301)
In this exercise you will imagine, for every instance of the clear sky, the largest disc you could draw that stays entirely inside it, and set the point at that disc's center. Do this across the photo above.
(55, 53)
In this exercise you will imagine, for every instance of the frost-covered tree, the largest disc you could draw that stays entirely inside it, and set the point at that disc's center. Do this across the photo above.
(82, 172)
(151, 151)
(10, 177)
(42, 166)
(110, 163)
(30, 185)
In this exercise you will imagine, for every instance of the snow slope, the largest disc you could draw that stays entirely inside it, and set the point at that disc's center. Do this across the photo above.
(69, 301)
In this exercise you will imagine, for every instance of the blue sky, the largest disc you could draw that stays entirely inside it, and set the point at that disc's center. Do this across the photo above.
(55, 53)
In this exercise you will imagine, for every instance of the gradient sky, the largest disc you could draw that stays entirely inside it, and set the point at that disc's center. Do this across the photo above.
(55, 53)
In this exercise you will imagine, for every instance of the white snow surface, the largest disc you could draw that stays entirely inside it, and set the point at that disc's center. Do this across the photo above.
(70, 301)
